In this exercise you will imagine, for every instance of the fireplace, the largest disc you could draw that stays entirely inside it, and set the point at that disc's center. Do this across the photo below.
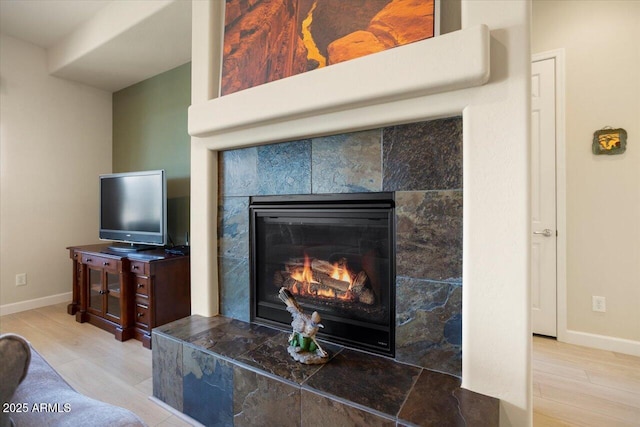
(336, 254)
(481, 71)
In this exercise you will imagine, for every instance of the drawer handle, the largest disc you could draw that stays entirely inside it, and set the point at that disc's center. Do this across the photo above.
(140, 314)
(135, 267)
(88, 260)
(140, 285)
(105, 263)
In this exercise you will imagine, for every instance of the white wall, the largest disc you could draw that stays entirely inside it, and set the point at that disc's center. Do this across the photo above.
(602, 49)
(55, 138)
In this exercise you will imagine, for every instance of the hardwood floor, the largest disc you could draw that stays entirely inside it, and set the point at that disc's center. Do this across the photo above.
(92, 361)
(580, 386)
(572, 385)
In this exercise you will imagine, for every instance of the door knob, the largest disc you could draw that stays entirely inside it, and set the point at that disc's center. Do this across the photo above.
(546, 232)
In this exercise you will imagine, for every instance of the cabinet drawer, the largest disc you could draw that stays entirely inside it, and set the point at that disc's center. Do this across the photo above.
(139, 267)
(101, 262)
(142, 315)
(142, 285)
(142, 300)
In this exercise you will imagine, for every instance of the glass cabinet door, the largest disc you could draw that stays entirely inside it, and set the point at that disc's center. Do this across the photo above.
(95, 291)
(113, 295)
(104, 293)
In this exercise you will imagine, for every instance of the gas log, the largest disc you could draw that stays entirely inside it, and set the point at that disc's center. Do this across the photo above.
(364, 294)
(314, 279)
(326, 267)
(337, 285)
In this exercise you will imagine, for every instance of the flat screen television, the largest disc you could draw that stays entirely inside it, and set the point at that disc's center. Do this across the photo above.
(133, 210)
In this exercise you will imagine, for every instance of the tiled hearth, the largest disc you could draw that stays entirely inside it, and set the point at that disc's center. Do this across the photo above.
(422, 164)
(225, 372)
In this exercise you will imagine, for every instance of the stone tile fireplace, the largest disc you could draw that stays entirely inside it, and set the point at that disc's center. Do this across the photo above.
(420, 164)
(385, 204)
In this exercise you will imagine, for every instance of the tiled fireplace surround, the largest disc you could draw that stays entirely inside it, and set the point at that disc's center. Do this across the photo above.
(217, 370)
(422, 163)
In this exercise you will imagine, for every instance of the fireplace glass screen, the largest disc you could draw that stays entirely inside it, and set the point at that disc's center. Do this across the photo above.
(334, 253)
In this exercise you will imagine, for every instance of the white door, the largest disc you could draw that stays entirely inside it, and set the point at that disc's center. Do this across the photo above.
(543, 194)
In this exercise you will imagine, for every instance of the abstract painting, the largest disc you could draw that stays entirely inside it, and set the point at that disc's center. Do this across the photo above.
(267, 40)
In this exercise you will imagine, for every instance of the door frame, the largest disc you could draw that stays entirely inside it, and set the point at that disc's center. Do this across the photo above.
(561, 190)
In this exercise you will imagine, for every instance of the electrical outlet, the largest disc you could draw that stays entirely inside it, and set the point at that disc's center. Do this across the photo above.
(21, 279)
(598, 304)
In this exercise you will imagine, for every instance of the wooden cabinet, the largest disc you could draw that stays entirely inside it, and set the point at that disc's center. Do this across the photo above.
(129, 295)
(158, 297)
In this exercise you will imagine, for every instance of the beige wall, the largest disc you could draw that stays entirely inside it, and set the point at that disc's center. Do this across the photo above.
(55, 138)
(602, 49)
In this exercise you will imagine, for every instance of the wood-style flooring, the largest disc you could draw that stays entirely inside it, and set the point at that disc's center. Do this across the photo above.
(572, 385)
(580, 386)
(92, 361)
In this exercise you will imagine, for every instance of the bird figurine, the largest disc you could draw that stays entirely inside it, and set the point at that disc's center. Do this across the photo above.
(303, 345)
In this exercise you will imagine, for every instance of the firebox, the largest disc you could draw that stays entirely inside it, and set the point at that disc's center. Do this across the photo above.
(336, 254)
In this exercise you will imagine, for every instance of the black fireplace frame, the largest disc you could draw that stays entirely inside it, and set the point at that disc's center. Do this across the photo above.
(356, 204)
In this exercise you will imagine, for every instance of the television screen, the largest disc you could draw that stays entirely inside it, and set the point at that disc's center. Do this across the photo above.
(133, 207)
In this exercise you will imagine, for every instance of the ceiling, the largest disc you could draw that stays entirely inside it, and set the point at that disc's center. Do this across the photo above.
(160, 42)
(45, 22)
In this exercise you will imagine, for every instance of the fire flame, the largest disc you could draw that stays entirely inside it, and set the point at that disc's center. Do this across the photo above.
(340, 273)
(305, 275)
(327, 293)
(304, 279)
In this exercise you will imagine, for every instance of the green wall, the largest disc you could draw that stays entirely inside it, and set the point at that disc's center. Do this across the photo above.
(150, 132)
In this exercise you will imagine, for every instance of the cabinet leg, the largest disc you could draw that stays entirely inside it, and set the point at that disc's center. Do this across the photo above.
(72, 308)
(146, 341)
(81, 316)
(124, 334)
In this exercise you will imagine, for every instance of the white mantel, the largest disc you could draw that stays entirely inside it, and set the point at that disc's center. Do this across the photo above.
(344, 87)
(481, 72)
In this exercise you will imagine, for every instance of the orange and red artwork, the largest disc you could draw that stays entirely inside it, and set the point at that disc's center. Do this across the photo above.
(267, 40)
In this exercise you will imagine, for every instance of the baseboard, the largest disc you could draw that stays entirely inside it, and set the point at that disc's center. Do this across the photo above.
(602, 342)
(175, 412)
(17, 307)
